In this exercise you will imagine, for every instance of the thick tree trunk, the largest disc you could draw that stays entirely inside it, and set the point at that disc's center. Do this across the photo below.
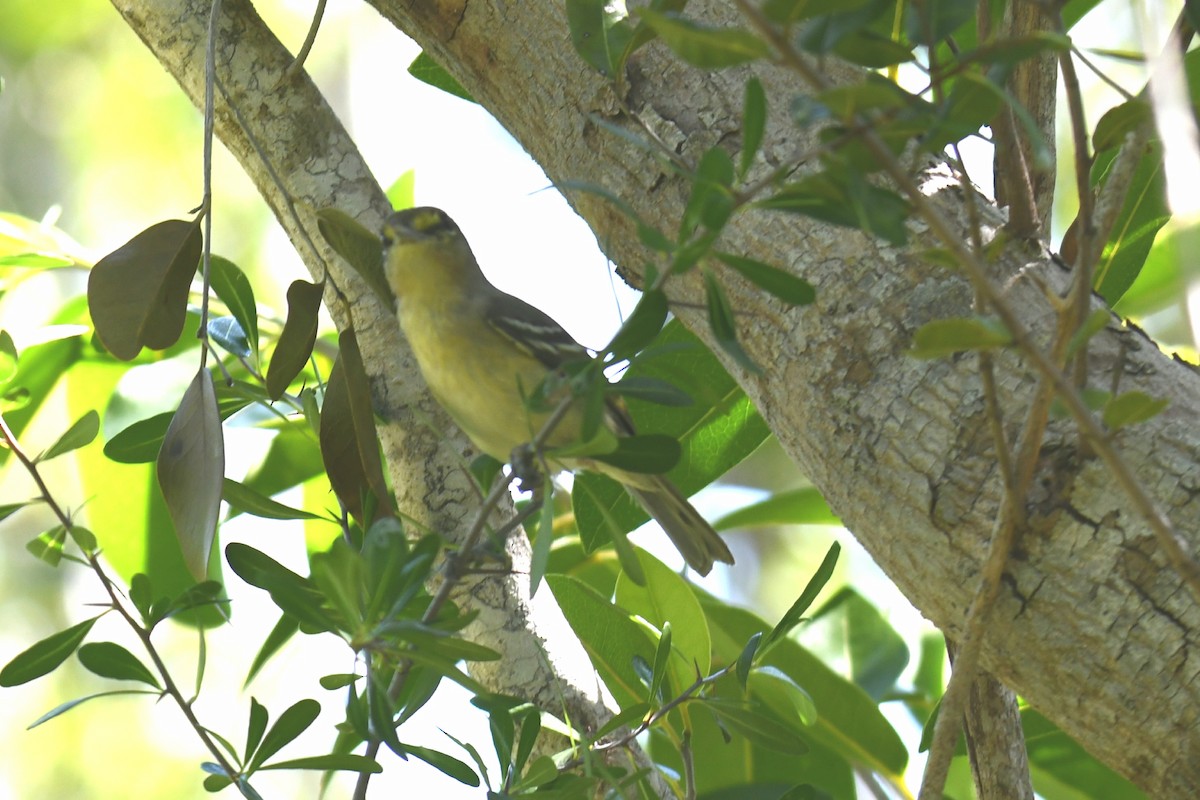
(1095, 629)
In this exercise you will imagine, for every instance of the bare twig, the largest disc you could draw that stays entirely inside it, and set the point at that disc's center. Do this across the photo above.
(309, 39)
(170, 688)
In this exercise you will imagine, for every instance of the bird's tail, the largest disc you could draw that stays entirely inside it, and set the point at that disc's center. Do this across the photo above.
(691, 534)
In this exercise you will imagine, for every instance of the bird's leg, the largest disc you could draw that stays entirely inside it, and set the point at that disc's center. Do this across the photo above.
(526, 469)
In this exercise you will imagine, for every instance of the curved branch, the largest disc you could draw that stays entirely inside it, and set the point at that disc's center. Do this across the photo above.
(293, 147)
(899, 447)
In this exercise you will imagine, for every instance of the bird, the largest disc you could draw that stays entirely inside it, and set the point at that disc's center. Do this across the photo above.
(483, 351)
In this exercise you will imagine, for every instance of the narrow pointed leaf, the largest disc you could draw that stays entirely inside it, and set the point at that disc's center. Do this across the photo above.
(724, 328)
(235, 291)
(334, 761)
(297, 339)
(349, 442)
(784, 285)
(1131, 408)
(943, 337)
(291, 723)
(256, 727)
(359, 246)
(241, 497)
(702, 46)
(45, 656)
(754, 123)
(111, 660)
(795, 614)
(67, 706)
(78, 435)
(445, 763)
(426, 70)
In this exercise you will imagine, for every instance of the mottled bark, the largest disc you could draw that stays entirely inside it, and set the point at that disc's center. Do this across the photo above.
(1094, 629)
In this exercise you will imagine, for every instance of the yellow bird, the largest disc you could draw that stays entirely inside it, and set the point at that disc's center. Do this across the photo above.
(483, 351)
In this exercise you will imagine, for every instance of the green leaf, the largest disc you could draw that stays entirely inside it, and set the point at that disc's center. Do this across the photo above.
(664, 598)
(716, 431)
(662, 658)
(651, 454)
(446, 764)
(140, 442)
(643, 325)
(1130, 408)
(1096, 321)
(233, 288)
(48, 546)
(426, 70)
(877, 654)
(795, 614)
(333, 762)
(284, 630)
(703, 46)
(540, 772)
(242, 498)
(846, 200)
(299, 334)
(191, 468)
(1118, 121)
(293, 594)
(8, 358)
(600, 32)
(111, 660)
(39, 369)
(45, 656)
(255, 727)
(653, 390)
(929, 23)
(67, 706)
(291, 723)
(757, 724)
(339, 574)
(754, 124)
(540, 555)
(746, 659)
(780, 283)
(1061, 768)
(796, 507)
(1142, 216)
(138, 293)
(349, 443)
(83, 538)
(721, 321)
(360, 247)
(228, 334)
(944, 337)
(789, 12)
(849, 724)
(781, 694)
(607, 633)
(401, 194)
(929, 678)
(711, 201)
(78, 435)
(338, 681)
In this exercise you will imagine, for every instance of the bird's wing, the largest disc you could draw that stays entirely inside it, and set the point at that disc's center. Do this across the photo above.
(532, 330)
